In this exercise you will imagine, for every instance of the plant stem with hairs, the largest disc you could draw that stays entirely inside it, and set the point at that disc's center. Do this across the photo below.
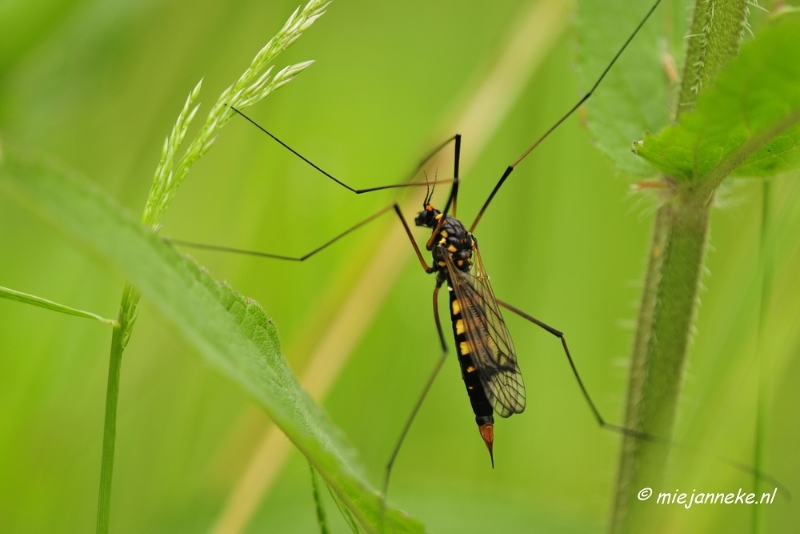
(669, 300)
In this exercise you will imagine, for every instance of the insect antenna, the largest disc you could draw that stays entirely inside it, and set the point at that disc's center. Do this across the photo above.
(429, 192)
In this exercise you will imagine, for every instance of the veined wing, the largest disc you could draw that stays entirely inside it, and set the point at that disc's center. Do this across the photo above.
(491, 348)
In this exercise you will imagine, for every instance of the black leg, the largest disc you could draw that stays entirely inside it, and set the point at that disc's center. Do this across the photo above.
(586, 396)
(452, 199)
(337, 180)
(304, 257)
(572, 110)
(745, 468)
(456, 163)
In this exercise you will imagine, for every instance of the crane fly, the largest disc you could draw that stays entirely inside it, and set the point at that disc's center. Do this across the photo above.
(485, 350)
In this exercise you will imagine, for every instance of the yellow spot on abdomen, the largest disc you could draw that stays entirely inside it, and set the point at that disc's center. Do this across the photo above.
(456, 307)
(470, 369)
(460, 326)
(451, 248)
(464, 348)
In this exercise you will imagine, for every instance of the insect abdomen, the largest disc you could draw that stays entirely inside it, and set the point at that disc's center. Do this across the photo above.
(469, 372)
(477, 396)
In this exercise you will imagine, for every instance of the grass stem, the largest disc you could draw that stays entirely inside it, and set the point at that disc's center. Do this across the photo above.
(119, 339)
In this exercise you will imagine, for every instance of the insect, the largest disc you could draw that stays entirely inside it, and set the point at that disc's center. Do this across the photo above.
(484, 348)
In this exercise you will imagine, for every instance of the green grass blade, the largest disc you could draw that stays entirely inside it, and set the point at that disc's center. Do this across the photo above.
(320, 508)
(748, 121)
(19, 296)
(232, 333)
(110, 416)
(348, 517)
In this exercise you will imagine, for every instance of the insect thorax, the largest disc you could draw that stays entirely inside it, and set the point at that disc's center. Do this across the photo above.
(453, 240)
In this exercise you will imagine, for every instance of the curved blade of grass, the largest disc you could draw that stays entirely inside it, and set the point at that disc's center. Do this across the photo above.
(635, 95)
(748, 121)
(322, 519)
(348, 517)
(18, 296)
(231, 332)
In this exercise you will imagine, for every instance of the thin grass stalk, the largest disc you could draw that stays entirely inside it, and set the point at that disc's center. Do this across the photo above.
(322, 519)
(765, 265)
(119, 339)
(669, 300)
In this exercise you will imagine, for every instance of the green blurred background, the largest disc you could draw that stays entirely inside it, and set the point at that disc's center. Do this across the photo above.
(99, 84)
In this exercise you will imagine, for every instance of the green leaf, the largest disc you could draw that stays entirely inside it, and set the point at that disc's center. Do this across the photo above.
(636, 95)
(229, 331)
(10, 294)
(748, 121)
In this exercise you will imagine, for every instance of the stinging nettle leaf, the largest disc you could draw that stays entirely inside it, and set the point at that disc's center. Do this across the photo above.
(747, 123)
(636, 95)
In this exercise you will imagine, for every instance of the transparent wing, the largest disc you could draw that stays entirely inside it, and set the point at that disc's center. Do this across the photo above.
(491, 347)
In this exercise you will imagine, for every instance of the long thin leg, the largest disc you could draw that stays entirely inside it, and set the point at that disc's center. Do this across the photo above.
(583, 99)
(304, 257)
(560, 335)
(452, 199)
(427, 388)
(340, 182)
(411, 238)
(456, 163)
(745, 468)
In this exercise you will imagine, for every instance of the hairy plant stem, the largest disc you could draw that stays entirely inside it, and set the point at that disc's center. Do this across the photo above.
(665, 321)
(669, 299)
(119, 339)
